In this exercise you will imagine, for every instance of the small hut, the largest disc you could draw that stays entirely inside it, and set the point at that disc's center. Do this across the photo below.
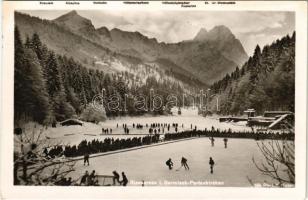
(250, 112)
(71, 122)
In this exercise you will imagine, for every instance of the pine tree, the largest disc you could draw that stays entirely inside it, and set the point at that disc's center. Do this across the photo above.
(19, 77)
(62, 109)
(37, 45)
(30, 97)
(39, 99)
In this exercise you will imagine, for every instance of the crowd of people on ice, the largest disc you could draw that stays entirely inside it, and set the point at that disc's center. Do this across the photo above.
(173, 128)
(106, 131)
(111, 144)
(96, 146)
(153, 128)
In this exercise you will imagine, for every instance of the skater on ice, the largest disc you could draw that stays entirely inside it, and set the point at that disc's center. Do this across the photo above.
(226, 142)
(184, 163)
(124, 179)
(212, 141)
(116, 177)
(84, 178)
(92, 179)
(169, 163)
(211, 162)
(86, 158)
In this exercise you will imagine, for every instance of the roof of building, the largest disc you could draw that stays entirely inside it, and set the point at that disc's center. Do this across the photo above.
(72, 120)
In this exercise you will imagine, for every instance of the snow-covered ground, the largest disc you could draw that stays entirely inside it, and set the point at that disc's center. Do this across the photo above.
(232, 165)
(89, 131)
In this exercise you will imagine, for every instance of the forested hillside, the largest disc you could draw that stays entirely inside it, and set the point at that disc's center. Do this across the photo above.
(200, 61)
(91, 54)
(50, 87)
(265, 82)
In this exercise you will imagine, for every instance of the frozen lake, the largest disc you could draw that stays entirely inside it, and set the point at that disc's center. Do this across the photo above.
(74, 134)
(232, 165)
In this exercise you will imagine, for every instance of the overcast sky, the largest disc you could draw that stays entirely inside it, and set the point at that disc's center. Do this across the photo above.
(250, 28)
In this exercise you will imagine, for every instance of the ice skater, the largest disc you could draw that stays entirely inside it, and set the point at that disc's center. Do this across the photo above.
(84, 178)
(212, 141)
(226, 142)
(124, 179)
(169, 163)
(91, 178)
(116, 177)
(184, 163)
(86, 158)
(211, 162)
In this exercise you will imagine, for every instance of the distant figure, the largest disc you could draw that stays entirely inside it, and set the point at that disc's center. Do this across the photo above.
(111, 131)
(86, 159)
(84, 178)
(225, 142)
(212, 141)
(184, 163)
(124, 179)
(91, 178)
(117, 125)
(116, 177)
(211, 162)
(169, 163)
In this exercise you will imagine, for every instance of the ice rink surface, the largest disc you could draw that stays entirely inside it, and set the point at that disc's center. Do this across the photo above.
(232, 164)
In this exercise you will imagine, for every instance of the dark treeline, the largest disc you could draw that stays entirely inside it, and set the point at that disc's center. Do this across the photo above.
(110, 144)
(50, 87)
(265, 82)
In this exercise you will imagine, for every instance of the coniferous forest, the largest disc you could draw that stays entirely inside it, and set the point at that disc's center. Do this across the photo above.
(50, 87)
(265, 82)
